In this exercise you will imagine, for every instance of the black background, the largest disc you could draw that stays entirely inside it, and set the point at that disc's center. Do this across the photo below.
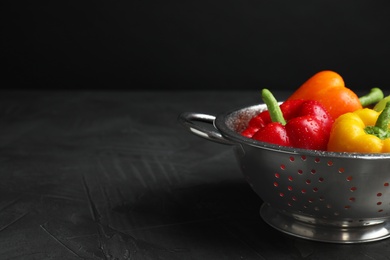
(184, 45)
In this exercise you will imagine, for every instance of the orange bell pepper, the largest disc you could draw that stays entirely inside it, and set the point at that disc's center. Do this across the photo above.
(328, 88)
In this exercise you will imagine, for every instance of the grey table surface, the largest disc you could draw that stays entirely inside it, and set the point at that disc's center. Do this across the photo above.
(112, 175)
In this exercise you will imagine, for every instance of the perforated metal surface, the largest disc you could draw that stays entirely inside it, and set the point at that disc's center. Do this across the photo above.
(316, 188)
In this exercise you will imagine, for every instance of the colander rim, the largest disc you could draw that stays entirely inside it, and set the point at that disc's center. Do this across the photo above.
(221, 123)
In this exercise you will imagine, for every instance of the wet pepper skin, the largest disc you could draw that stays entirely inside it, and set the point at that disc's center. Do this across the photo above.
(307, 126)
(348, 133)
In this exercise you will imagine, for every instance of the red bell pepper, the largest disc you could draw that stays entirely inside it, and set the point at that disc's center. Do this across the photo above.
(296, 123)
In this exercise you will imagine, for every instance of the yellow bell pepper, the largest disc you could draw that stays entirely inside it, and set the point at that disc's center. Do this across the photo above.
(362, 131)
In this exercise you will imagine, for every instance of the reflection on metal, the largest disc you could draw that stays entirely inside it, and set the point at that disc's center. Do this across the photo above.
(324, 233)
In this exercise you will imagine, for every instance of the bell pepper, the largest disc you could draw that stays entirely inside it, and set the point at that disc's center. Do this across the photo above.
(329, 89)
(259, 121)
(362, 131)
(296, 123)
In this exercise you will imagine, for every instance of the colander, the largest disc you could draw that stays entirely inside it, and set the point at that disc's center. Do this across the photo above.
(315, 195)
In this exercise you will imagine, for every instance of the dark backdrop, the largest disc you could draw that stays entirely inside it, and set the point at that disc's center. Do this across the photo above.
(179, 44)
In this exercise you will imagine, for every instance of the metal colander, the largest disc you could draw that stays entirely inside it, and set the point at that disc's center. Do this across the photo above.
(316, 195)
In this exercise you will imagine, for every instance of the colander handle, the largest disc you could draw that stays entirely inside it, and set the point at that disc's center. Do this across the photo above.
(189, 119)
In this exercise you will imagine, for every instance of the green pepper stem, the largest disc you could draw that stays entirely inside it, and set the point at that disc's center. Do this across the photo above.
(384, 118)
(273, 106)
(374, 96)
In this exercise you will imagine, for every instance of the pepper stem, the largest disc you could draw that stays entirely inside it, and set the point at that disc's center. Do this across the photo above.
(381, 128)
(273, 106)
(384, 118)
(374, 96)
